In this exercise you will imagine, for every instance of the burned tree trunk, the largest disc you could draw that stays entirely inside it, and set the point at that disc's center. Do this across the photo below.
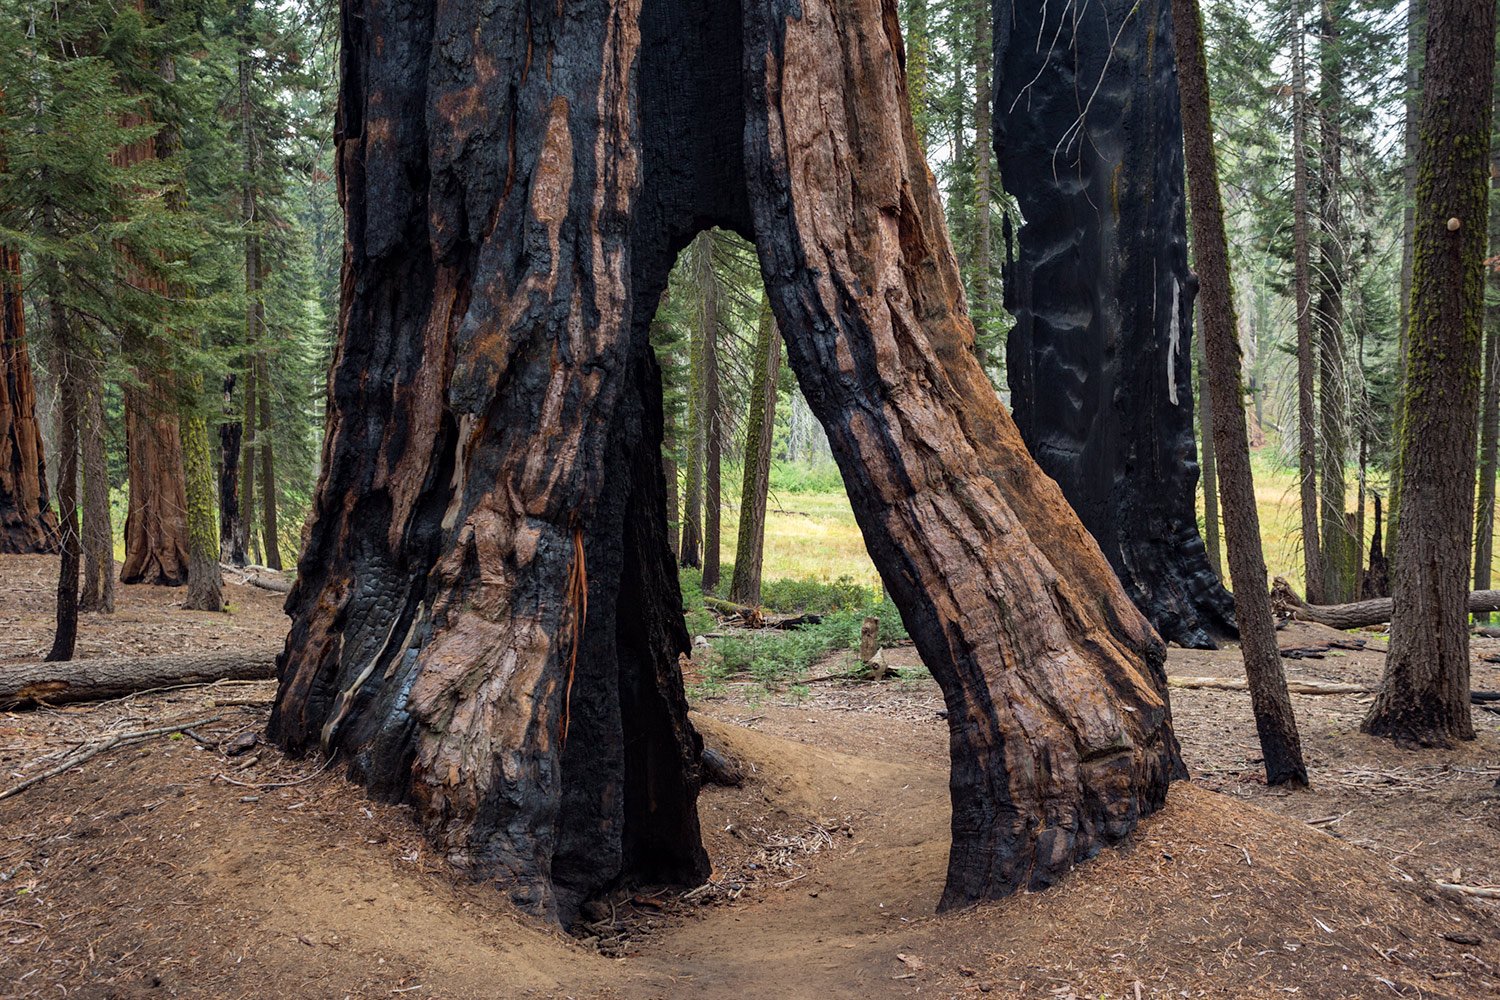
(486, 617)
(1099, 358)
(27, 523)
(231, 524)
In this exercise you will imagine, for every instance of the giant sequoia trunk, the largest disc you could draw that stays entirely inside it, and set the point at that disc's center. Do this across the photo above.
(487, 619)
(156, 526)
(27, 523)
(1099, 358)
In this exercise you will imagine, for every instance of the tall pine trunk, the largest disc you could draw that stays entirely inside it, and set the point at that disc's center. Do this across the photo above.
(982, 302)
(1307, 352)
(1274, 722)
(1416, 33)
(692, 504)
(713, 406)
(760, 429)
(270, 532)
(1489, 409)
(1339, 549)
(1424, 695)
(486, 619)
(65, 637)
(205, 579)
(1207, 458)
(98, 533)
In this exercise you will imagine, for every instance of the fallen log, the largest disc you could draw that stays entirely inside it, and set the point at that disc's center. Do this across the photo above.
(114, 677)
(754, 617)
(721, 769)
(259, 576)
(1287, 602)
(1305, 687)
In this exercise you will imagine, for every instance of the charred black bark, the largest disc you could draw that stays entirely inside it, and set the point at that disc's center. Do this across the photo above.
(487, 617)
(1089, 139)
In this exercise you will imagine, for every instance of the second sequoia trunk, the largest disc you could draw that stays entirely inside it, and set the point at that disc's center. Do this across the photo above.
(1099, 368)
(487, 618)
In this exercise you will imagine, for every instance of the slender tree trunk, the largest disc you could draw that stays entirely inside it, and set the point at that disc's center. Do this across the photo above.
(1099, 360)
(1416, 33)
(1424, 695)
(231, 523)
(205, 578)
(983, 300)
(760, 428)
(27, 523)
(263, 449)
(1274, 721)
(692, 506)
(1489, 410)
(98, 530)
(65, 638)
(1307, 357)
(1339, 555)
(247, 466)
(1206, 459)
(507, 661)
(713, 425)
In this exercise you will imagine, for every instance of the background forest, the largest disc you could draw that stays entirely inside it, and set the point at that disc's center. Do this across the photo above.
(170, 213)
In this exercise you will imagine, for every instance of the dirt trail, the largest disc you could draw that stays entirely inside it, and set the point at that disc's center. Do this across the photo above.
(168, 869)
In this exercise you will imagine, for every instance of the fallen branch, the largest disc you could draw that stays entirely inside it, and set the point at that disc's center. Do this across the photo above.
(1477, 891)
(95, 680)
(90, 752)
(754, 617)
(259, 576)
(1287, 602)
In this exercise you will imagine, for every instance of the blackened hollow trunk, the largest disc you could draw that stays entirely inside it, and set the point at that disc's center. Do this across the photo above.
(486, 617)
(1100, 354)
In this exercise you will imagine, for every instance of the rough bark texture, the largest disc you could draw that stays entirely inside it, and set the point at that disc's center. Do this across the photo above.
(98, 528)
(1099, 358)
(1211, 516)
(1489, 407)
(205, 579)
(65, 638)
(760, 430)
(156, 532)
(270, 533)
(487, 618)
(713, 415)
(1424, 693)
(113, 677)
(27, 523)
(1307, 354)
(1274, 721)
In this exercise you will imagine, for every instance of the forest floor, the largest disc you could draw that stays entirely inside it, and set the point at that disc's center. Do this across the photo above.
(167, 868)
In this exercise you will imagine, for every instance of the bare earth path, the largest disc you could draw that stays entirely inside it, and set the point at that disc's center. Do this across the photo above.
(170, 869)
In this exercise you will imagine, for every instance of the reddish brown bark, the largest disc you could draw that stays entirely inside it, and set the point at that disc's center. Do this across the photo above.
(27, 523)
(487, 618)
(156, 540)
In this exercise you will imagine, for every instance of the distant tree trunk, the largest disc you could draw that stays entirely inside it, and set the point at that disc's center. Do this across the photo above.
(98, 530)
(1377, 577)
(251, 542)
(1416, 32)
(231, 523)
(1307, 356)
(27, 523)
(1339, 550)
(692, 506)
(65, 638)
(156, 538)
(1099, 360)
(1207, 460)
(1274, 722)
(983, 264)
(760, 428)
(270, 536)
(205, 578)
(713, 424)
(1424, 695)
(507, 662)
(1489, 410)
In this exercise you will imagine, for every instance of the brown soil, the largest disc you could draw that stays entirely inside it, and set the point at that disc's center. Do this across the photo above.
(169, 869)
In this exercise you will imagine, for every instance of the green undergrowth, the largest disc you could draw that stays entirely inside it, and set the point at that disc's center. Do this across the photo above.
(779, 657)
